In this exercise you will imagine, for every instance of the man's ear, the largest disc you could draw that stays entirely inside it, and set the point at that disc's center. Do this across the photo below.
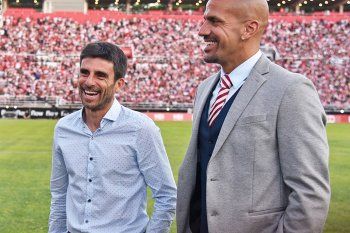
(251, 27)
(119, 84)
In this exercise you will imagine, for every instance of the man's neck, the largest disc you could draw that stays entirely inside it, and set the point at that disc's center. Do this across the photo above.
(94, 118)
(236, 61)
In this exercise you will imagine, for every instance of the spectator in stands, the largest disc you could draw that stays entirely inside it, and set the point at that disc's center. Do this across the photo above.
(34, 52)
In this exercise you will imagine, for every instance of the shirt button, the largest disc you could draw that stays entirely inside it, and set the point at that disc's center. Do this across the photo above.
(90, 180)
(86, 221)
(89, 200)
(91, 158)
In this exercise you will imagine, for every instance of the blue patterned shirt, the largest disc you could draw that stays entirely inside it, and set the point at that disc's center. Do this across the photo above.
(99, 179)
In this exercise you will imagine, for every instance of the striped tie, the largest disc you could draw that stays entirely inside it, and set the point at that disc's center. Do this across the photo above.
(226, 84)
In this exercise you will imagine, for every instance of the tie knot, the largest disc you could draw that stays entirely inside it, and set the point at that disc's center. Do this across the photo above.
(226, 81)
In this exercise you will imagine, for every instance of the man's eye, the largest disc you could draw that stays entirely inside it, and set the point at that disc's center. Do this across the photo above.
(101, 76)
(84, 73)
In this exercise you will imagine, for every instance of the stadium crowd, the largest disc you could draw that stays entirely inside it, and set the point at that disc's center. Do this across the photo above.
(40, 57)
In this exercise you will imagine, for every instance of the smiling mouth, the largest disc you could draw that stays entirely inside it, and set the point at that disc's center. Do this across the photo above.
(209, 44)
(90, 93)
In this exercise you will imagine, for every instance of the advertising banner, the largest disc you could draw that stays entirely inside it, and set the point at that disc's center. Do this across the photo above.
(52, 113)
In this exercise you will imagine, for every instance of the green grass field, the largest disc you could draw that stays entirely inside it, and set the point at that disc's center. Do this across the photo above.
(25, 163)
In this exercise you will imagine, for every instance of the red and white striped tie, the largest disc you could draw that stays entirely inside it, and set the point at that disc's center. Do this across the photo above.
(226, 84)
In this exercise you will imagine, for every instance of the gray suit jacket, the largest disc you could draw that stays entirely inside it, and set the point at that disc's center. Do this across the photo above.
(269, 168)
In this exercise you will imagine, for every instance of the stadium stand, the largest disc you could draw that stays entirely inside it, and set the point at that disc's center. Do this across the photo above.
(40, 60)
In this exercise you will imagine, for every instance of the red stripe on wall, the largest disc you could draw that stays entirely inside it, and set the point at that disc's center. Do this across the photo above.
(161, 116)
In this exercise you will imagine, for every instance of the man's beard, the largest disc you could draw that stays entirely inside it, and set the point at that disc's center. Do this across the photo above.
(106, 97)
(211, 59)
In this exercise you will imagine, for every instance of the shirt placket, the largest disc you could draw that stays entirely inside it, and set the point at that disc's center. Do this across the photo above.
(90, 178)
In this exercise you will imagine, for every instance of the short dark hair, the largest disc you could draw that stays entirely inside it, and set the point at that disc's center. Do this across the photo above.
(109, 52)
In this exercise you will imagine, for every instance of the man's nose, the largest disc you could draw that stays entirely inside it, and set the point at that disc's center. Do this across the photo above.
(204, 29)
(90, 80)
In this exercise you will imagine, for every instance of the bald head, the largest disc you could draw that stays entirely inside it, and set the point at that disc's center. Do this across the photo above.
(232, 30)
(257, 10)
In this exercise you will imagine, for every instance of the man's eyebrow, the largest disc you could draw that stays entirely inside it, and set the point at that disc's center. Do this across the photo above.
(101, 73)
(212, 18)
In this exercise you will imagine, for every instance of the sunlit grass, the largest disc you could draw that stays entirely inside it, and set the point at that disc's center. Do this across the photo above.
(25, 163)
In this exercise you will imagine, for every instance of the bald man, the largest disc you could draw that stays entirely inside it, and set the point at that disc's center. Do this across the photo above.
(258, 156)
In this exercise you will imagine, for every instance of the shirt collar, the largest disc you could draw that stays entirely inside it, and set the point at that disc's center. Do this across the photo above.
(238, 75)
(112, 113)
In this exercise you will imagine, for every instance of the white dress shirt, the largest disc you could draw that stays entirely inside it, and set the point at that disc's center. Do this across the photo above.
(99, 179)
(237, 77)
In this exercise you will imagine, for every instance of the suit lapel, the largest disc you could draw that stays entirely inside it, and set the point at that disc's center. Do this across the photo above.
(190, 159)
(202, 98)
(247, 92)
